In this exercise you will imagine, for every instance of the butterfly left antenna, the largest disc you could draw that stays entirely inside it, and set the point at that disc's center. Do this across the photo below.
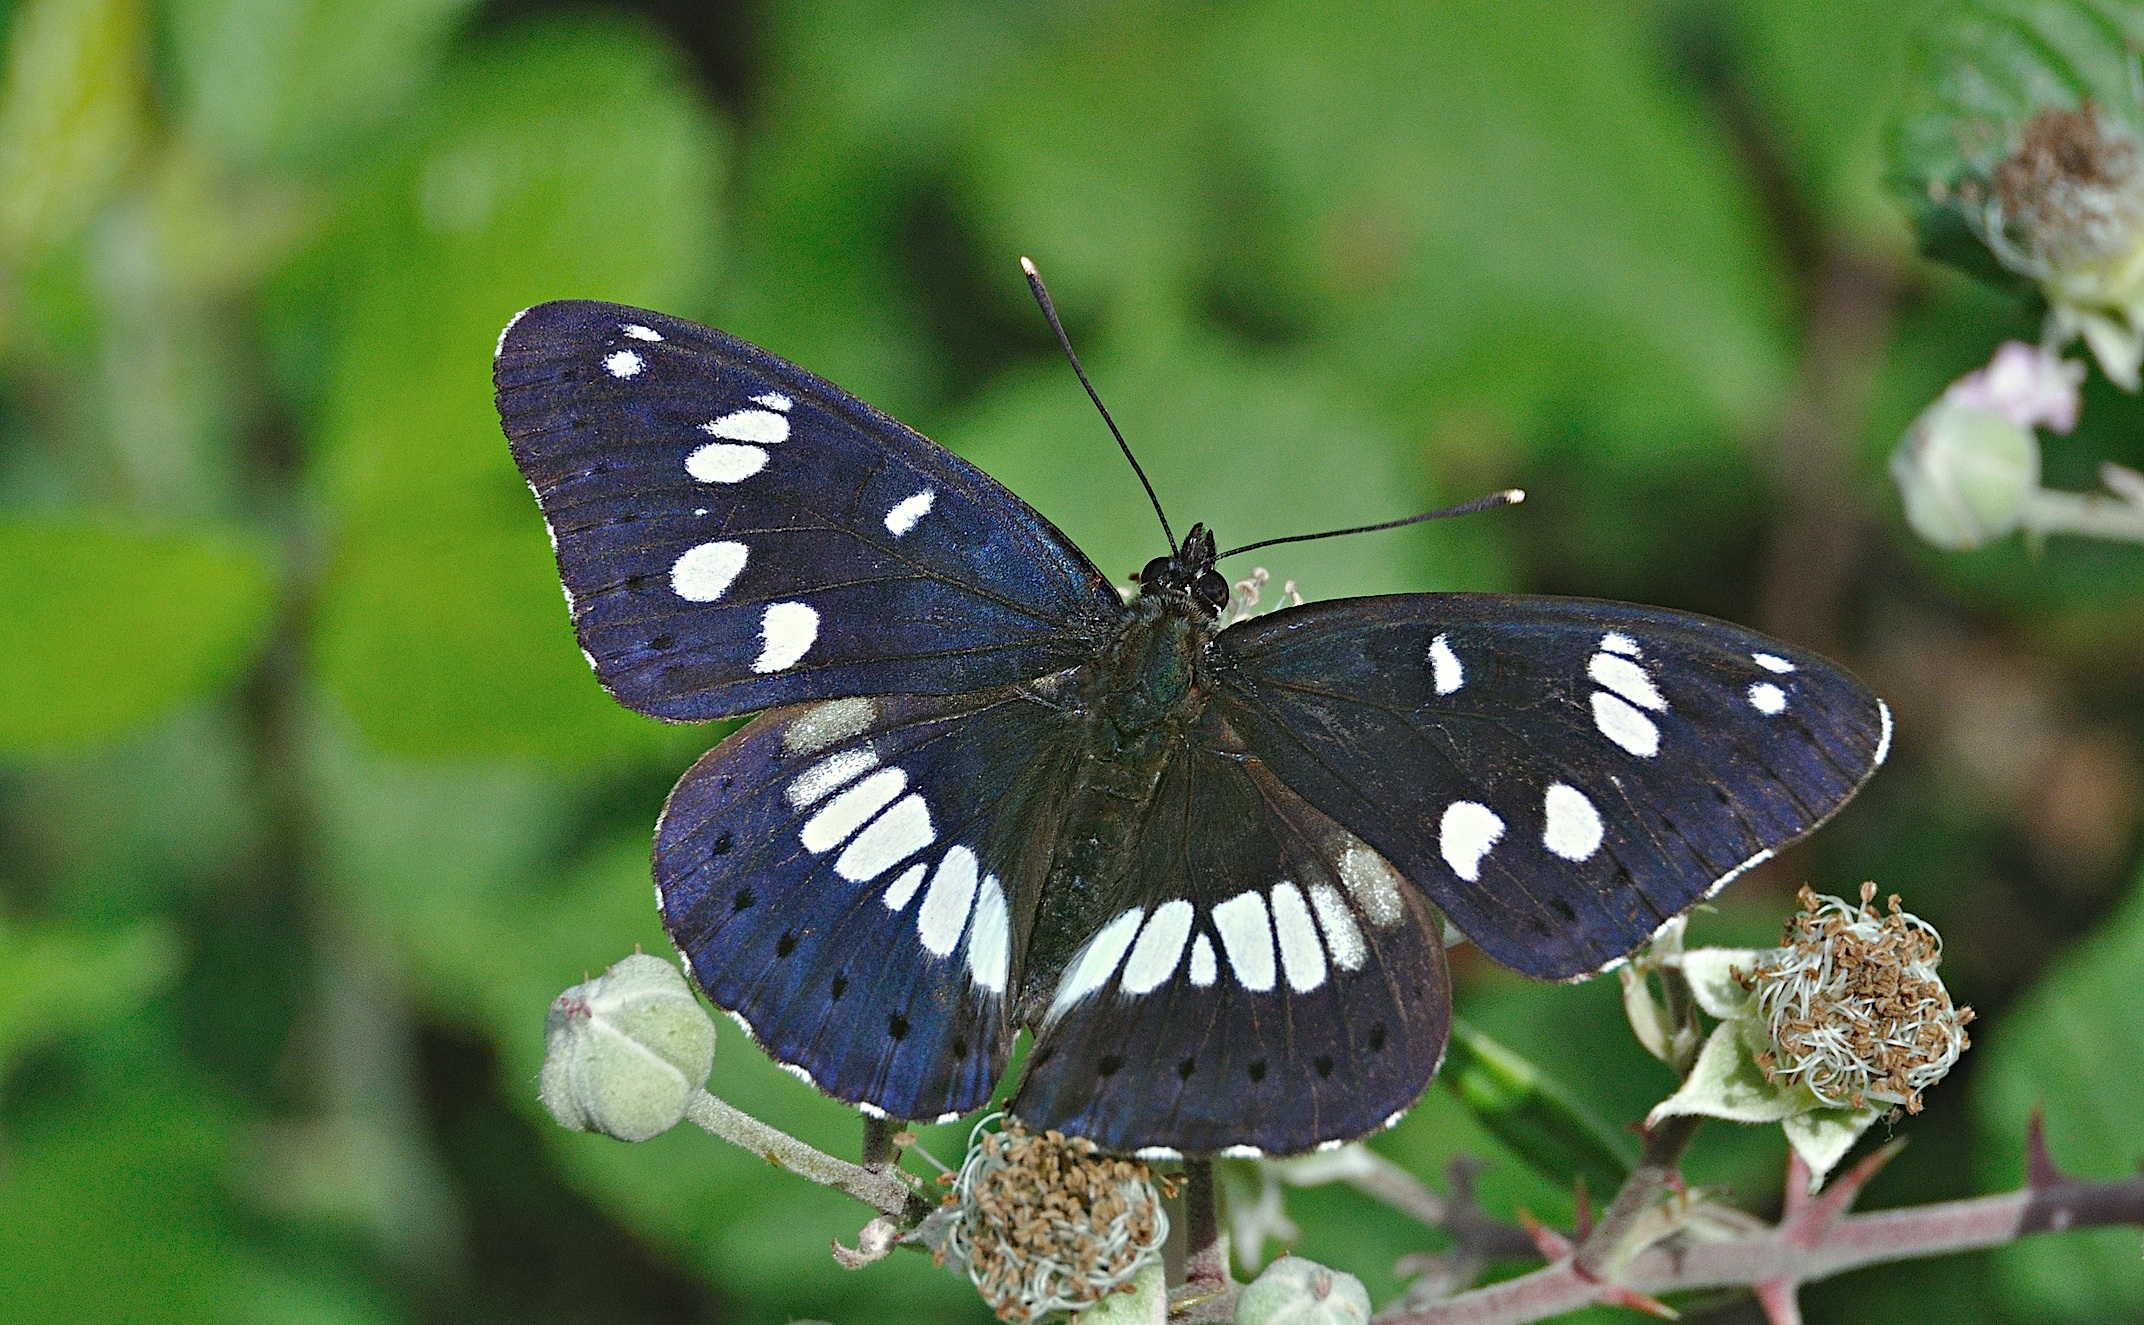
(1508, 497)
(1049, 310)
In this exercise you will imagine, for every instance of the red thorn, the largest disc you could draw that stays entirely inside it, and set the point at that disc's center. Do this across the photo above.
(1829, 1208)
(1777, 1298)
(1619, 1296)
(1797, 1194)
(2040, 1170)
(1583, 1212)
(1552, 1245)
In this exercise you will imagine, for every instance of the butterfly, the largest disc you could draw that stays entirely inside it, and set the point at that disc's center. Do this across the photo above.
(1209, 868)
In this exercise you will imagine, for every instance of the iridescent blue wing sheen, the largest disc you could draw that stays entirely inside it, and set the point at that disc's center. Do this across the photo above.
(1561, 776)
(848, 878)
(1263, 981)
(735, 533)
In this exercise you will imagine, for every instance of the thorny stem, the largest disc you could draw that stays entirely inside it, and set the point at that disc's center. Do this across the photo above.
(878, 1144)
(886, 1190)
(2089, 515)
(1205, 1252)
(1659, 1165)
(1790, 1253)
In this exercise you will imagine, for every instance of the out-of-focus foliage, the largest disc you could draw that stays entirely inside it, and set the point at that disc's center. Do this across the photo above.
(310, 806)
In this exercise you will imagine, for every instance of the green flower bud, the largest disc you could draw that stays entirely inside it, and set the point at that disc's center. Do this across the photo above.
(1293, 1291)
(624, 1052)
(1966, 474)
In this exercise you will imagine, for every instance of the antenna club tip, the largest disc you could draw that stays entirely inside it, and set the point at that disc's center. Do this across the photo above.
(1027, 265)
(1513, 496)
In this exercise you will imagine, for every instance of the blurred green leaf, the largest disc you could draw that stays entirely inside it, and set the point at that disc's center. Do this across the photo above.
(1975, 73)
(2075, 1047)
(1532, 1113)
(571, 159)
(1507, 207)
(301, 83)
(1258, 445)
(71, 114)
(61, 980)
(103, 627)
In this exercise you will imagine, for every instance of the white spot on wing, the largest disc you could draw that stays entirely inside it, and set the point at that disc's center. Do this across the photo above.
(1767, 699)
(817, 782)
(623, 363)
(638, 332)
(944, 912)
(1160, 947)
(1624, 725)
(989, 942)
(1573, 825)
(1302, 957)
(1883, 742)
(749, 425)
(1203, 970)
(774, 400)
(1342, 938)
(1096, 962)
(823, 724)
(849, 811)
(1465, 835)
(704, 573)
(1444, 666)
(1615, 641)
(787, 630)
(1772, 662)
(725, 462)
(905, 887)
(1373, 883)
(1627, 679)
(892, 838)
(1247, 939)
(904, 515)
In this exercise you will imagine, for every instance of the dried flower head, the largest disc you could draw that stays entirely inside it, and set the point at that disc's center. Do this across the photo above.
(1046, 1224)
(1244, 595)
(1853, 1006)
(2066, 208)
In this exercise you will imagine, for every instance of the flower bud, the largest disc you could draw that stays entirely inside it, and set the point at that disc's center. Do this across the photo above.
(624, 1052)
(1294, 1291)
(1966, 473)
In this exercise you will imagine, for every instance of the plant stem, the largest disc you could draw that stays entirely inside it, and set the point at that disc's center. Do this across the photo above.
(1205, 1254)
(2086, 514)
(886, 1190)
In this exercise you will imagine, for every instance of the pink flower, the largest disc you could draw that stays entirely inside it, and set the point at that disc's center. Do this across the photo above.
(2030, 386)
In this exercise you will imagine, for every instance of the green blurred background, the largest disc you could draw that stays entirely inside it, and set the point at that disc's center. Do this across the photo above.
(308, 805)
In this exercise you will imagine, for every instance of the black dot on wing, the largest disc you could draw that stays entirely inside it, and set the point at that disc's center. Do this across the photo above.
(1563, 908)
(635, 583)
(1186, 1068)
(1324, 1064)
(786, 944)
(841, 986)
(1109, 1065)
(960, 1047)
(1258, 1070)
(723, 843)
(662, 642)
(897, 1026)
(1719, 794)
(743, 900)
(1043, 1055)
(1377, 1037)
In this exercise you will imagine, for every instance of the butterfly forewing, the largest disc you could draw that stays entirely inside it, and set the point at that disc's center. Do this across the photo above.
(1562, 776)
(848, 878)
(735, 533)
(1264, 982)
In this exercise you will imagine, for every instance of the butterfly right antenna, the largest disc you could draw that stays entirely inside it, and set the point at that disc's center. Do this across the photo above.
(1042, 297)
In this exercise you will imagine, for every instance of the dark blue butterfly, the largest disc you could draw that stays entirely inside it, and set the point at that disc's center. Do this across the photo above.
(1208, 867)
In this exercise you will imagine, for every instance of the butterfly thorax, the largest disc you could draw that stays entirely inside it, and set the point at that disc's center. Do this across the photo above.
(1137, 703)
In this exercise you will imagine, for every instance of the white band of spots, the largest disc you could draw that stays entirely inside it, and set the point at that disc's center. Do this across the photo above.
(814, 784)
(1161, 945)
(1204, 970)
(849, 811)
(750, 425)
(893, 837)
(1444, 666)
(822, 725)
(1768, 699)
(1624, 725)
(787, 631)
(1772, 662)
(725, 462)
(1342, 937)
(1247, 938)
(638, 332)
(990, 941)
(704, 573)
(944, 912)
(774, 400)
(1373, 883)
(1465, 835)
(1572, 825)
(905, 887)
(1096, 962)
(623, 364)
(1615, 641)
(1302, 957)
(1626, 678)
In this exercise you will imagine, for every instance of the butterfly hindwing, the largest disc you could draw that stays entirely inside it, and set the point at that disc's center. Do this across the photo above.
(1562, 776)
(847, 878)
(1263, 982)
(735, 533)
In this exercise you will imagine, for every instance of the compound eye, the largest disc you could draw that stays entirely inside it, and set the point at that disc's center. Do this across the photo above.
(1156, 570)
(1212, 589)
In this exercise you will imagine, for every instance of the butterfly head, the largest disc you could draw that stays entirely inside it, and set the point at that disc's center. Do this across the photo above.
(1188, 573)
